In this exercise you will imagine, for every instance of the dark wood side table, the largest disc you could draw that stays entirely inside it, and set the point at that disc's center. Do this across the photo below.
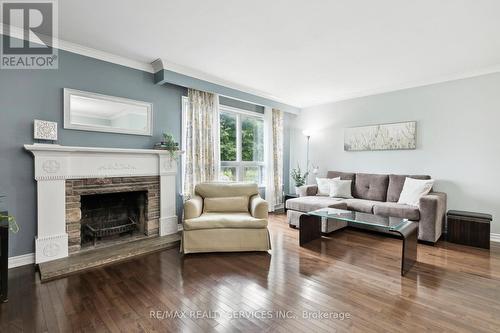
(469, 228)
(289, 196)
(4, 256)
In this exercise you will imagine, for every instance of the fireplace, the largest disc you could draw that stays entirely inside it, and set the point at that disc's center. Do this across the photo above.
(66, 174)
(102, 211)
(106, 217)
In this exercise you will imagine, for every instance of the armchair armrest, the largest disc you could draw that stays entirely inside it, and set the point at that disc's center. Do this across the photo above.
(259, 208)
(193, 207)
(308, 190)
(432, 215)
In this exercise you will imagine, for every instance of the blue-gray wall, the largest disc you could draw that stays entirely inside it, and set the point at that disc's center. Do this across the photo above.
(38, 94)
(26, 95)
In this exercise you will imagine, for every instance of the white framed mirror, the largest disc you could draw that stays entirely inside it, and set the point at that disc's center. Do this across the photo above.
(88, 111)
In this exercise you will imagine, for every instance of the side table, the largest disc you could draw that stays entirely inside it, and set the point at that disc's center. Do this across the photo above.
(469, 228)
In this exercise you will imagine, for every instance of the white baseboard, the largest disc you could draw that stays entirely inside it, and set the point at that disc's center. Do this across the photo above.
(28, 259)
(495, 238)
(25, 259)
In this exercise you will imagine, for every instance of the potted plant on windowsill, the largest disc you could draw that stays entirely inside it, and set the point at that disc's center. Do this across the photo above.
(299, 178)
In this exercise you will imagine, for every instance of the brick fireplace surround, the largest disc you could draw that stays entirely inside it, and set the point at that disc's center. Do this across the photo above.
(65, 173)
(75, 188)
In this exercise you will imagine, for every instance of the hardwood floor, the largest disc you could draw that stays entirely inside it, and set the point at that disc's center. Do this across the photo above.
(452, 288)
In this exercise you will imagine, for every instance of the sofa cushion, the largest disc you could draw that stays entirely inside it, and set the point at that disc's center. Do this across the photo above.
(342, 175)
(224, 220)
(371, 186)
(225, 189)
(396, 183)
(226, 204)
(361, 205)
(308, 204)
(396, 210)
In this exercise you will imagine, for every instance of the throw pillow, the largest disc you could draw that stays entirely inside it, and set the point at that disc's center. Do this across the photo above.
(340, 189)
(324, 185)
(413, 190)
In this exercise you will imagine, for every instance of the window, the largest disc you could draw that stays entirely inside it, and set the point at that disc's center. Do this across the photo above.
(241, 145)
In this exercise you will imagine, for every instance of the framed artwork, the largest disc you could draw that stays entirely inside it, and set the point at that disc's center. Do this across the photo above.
(395, 136)
(45, 130)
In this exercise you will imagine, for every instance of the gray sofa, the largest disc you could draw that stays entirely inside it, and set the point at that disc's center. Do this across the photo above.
(376, 194)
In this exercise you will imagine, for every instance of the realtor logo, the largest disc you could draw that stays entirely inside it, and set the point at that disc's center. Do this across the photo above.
(29, 31)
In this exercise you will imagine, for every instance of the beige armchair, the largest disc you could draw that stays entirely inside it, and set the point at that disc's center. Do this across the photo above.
(225, 217)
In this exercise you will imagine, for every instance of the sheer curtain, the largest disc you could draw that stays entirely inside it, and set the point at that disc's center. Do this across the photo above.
(274, 157)
(202, 140)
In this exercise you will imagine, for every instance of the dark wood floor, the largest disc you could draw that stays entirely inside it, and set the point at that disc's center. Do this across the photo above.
(452, 288)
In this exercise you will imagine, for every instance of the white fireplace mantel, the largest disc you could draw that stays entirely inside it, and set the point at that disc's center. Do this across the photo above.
(54, 164)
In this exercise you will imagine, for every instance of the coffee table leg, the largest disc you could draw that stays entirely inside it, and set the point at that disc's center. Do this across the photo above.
(310, 228)
(409, 253)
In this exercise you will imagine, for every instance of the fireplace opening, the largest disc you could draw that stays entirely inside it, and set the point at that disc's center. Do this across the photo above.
(109, 217)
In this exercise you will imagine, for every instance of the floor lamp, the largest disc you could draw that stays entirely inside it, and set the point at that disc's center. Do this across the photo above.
(308, 137)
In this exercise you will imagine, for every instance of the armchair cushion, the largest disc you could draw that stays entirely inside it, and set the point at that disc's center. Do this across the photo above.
(225, 220)
(226, 204)
(259, 208)
(193, 207)
(225, 189)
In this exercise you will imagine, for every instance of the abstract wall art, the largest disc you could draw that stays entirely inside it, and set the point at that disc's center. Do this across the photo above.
(396, 136)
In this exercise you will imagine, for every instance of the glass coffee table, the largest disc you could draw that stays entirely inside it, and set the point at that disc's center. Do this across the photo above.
(310, 229)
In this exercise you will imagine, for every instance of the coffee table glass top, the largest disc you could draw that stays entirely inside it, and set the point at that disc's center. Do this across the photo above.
(389, 223)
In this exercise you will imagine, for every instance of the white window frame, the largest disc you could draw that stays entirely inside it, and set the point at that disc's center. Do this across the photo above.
(239, 164)
(185, 107)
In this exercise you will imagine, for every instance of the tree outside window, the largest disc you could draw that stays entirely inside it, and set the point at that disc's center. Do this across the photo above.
(241, 146)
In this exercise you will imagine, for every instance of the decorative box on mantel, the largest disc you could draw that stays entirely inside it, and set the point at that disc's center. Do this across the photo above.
(54, 164)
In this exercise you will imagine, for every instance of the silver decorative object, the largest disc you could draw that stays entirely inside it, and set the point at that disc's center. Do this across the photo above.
(394, 136)
(45, 130)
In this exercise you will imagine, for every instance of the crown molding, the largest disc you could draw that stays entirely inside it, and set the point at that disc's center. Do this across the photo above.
(105, 56)
(60, 44)
(412, 84)
(160, 64)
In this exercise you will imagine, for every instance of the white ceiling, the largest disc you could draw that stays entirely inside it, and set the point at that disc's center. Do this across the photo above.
(303, 52)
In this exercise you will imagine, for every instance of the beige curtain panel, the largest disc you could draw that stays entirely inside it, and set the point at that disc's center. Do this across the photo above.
(278, 156)
(274, 156)
(202, 128)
